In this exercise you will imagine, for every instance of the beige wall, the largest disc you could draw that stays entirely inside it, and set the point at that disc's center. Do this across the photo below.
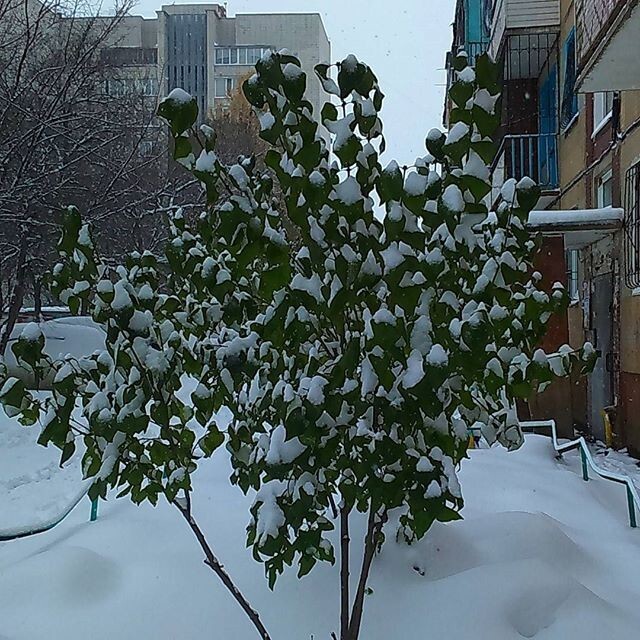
(303, 34)
(135, 31)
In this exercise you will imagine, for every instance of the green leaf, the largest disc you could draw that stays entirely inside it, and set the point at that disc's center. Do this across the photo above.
(211, 441)
(180, 110)
(391, 184)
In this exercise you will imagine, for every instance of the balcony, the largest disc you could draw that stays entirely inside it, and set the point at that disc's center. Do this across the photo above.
(474, 50)
(522, 16)
(608, 32)
(533, 155)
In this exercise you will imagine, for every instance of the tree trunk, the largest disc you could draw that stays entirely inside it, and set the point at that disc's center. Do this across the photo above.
(218, 569)
(374, 527)
(37, 298)
(17, 296)
(345, 541)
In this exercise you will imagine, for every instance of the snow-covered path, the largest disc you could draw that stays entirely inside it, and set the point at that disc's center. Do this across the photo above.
(33, 487)
(617, 462)
(540, 554)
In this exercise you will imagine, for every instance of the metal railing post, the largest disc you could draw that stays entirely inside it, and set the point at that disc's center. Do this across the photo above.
(585, 468)
(632, 508)
(94, 510)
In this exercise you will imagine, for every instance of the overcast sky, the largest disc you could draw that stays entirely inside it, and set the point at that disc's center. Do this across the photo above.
(404, 41)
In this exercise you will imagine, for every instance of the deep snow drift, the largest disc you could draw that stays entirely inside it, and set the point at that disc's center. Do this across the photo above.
(540, 554)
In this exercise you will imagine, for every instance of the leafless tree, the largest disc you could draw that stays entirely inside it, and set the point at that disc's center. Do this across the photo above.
(68, 134)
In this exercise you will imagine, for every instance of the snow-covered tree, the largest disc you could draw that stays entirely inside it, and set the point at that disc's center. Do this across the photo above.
(354, 360)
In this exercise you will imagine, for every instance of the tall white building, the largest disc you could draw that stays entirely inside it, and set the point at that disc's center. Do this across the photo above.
(199, 48)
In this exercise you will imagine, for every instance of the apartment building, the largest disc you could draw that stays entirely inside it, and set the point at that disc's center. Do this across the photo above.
(199, 48)
(571, 121)
(599, 143)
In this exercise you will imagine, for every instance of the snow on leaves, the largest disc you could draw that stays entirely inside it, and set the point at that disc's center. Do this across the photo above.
(354, 352)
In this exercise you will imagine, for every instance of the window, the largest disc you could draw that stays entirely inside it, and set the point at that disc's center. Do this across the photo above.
(223, 87)
(239, 55)
(253, 55)
(146, 148)
(573, 262)
(569, 107)
(602, 110)
(223, 55)
(126, 56)
(149, 86)
(632, 227)
(604, 190)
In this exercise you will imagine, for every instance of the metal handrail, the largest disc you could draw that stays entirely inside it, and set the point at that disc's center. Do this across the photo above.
(633, 500)
(50, 523)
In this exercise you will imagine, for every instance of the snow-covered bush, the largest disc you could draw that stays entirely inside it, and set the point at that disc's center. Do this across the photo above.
(354, 360)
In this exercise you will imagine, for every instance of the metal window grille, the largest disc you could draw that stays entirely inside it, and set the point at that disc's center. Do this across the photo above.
(632, 226)
(526, 54)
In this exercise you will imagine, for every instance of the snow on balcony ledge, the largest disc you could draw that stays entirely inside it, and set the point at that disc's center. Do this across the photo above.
(580, 227)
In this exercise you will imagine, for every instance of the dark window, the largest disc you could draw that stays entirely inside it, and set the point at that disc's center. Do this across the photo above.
(129, 56)
(569, 108)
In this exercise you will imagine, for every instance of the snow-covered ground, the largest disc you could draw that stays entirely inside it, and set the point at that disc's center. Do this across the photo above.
(540, 554)
(33, 487)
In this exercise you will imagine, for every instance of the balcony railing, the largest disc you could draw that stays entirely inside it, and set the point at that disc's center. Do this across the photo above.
(474, 50)
(533, 155)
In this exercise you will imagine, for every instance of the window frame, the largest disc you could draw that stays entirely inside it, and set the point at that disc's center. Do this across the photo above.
(606, 177)
(573, 274)
(229, 86)
(239, 55)
(602, 113)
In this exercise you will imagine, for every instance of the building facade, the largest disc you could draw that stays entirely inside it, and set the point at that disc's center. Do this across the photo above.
(571, 121)
(199, 48)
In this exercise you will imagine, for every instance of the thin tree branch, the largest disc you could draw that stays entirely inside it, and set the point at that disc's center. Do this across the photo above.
(345, 543)
(212, 561)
